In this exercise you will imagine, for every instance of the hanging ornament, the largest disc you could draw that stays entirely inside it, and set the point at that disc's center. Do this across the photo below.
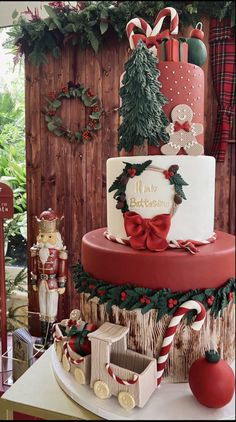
(197, 52)
(211, 380)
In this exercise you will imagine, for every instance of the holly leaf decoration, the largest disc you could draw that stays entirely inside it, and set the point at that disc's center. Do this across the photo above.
(74, 330)
(147, 308)
(178, 182)
(130, 297)
(121, 187)
(138, 167)
(109, 305)
(179, 191)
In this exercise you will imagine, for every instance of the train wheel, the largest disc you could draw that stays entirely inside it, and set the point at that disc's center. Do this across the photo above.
(65, 363)
(101, 389)
(126, 400)
(58, 351)
(79, 376)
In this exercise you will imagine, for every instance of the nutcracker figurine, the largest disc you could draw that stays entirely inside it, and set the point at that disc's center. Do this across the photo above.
(49, 271)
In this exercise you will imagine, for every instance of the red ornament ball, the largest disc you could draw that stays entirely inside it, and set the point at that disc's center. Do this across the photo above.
(211, 380)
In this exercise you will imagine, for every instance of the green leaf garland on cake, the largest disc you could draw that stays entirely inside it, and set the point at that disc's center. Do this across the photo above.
(142, 112)
(119, 185)
(130, 297)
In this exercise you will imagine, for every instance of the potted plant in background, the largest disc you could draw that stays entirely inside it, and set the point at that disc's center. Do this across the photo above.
(17, 298)
(13, 173)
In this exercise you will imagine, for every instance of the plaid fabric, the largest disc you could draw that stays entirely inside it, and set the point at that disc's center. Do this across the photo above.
(222, 53)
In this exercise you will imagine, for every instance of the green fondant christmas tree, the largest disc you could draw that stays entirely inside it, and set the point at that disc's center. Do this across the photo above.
(142, 102)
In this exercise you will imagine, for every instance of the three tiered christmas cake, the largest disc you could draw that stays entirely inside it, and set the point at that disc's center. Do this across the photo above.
(159, 255)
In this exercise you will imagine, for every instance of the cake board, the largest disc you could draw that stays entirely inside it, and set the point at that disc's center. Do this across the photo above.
(169, 402)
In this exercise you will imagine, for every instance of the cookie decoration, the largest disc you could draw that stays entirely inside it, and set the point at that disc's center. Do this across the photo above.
(183, 131)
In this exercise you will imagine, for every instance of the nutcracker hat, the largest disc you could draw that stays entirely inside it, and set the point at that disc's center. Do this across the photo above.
(48, 221)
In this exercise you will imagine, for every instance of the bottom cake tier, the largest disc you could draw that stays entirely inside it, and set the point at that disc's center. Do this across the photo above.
(143, 290)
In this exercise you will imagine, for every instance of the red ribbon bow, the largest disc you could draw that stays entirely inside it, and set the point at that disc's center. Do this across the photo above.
(147, 233)
(185, 126)
(71, 322)
(151, 41)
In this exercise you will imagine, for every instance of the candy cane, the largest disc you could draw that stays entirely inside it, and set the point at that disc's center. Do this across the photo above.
(116, 239)
(138, 23)
(120, 380)
(57, 334)
(70, 359)
(190, 245)
(170, 332)
(174, 24)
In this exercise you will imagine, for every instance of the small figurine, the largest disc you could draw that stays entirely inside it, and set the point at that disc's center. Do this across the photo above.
(49, 272)
(183, 132)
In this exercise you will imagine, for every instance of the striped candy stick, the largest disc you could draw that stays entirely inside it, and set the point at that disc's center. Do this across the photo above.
(70, 359)
(174, 23)
(120, 380)
(190, 245)
(170, 332)
(137, 23)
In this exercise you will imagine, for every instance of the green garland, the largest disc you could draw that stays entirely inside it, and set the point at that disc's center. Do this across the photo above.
(131, 297)
(132, 170)
(73, 91)
(89, 23)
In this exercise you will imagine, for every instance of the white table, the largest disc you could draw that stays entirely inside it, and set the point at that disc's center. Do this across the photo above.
(172, 401)
(37, 393)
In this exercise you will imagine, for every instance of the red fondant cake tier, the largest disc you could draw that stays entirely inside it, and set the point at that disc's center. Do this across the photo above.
(176, 269)
(182, 83)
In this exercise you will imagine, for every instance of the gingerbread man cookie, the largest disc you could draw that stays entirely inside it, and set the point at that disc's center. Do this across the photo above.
(183, 132)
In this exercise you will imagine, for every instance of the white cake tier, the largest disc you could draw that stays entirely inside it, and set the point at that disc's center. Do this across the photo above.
(151, 194)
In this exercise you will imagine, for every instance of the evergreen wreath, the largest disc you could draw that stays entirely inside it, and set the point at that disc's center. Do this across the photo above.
(166, 302)
(55, 123)
(132, 170)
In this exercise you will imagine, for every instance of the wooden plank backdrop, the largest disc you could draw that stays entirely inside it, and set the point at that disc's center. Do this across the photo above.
(71, 178)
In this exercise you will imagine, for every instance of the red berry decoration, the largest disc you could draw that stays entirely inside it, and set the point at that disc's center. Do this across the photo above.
(177, 199)
(210, 300)
(211, 380)
(132, 172)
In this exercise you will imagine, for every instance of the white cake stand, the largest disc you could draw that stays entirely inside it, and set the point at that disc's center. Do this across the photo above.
(169, 402)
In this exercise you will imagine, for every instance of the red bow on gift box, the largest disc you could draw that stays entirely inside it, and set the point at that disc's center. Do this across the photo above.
(185, 126)
(151, 41)
(147, 233)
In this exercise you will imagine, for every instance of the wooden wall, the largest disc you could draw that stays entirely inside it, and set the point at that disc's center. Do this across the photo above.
(71, 178)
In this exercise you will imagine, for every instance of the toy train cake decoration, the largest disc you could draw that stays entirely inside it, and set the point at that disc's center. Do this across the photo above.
(100, 357)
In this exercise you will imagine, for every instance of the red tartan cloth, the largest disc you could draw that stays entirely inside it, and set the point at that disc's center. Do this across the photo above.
(222, 53)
